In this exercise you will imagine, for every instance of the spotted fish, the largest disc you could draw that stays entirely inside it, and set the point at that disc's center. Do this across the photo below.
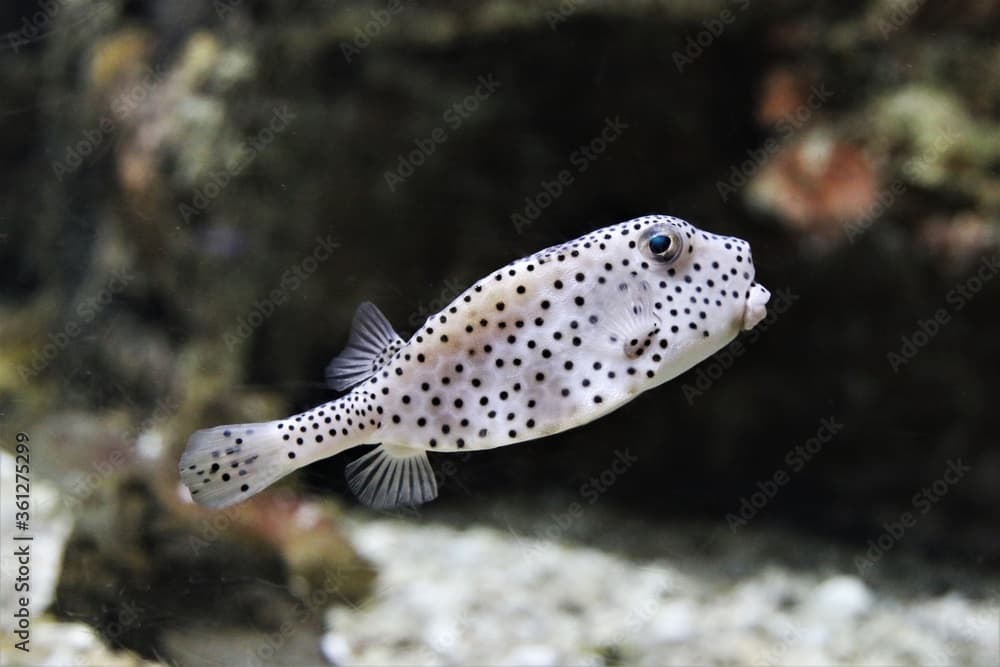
(545, 344)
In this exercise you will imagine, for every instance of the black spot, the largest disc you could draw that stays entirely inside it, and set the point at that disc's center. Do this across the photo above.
(245, 488)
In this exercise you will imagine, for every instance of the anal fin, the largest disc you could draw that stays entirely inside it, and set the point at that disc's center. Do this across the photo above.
(370, 346)
(392, 476)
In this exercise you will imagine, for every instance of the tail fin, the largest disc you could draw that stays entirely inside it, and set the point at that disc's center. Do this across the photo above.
(227, 464)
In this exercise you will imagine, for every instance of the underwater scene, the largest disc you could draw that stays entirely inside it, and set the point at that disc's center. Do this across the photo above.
(499, 332)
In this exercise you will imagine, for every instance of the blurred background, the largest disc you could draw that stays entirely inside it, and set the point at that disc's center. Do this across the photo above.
(195, 196)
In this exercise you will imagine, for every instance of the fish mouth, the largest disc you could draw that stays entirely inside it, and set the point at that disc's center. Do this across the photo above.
(755, 308)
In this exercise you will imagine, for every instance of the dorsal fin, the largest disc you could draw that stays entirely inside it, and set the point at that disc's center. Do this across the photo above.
(370, 346)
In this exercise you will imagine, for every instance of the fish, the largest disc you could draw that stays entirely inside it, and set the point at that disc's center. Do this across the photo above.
(545, 344)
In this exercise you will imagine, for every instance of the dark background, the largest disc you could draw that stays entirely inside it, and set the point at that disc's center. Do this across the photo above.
(911, 118)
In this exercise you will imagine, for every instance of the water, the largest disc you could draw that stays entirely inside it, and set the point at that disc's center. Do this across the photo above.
(196, 197)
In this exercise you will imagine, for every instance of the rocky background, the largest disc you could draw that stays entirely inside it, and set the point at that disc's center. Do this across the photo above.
(196, 196)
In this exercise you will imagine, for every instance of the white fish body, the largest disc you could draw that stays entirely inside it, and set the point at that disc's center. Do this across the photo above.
(546, 343)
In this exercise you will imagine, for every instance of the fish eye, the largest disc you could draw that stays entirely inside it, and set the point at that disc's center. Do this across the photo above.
(663, 244)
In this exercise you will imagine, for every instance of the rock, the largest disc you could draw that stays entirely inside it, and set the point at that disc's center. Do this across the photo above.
(530, 656)
(606, 604)
(674, 622)
(49, 524)
(54, 643)
(164, 578)
(839, 598)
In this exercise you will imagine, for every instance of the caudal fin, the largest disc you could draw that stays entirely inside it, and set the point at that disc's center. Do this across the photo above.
(227, 464)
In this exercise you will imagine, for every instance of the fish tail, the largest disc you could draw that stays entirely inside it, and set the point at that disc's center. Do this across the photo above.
(227, 464)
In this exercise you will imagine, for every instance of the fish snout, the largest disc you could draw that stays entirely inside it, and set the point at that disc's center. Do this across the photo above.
(755, 308)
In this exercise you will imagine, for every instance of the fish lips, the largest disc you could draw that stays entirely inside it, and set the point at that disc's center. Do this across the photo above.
(755, 308)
